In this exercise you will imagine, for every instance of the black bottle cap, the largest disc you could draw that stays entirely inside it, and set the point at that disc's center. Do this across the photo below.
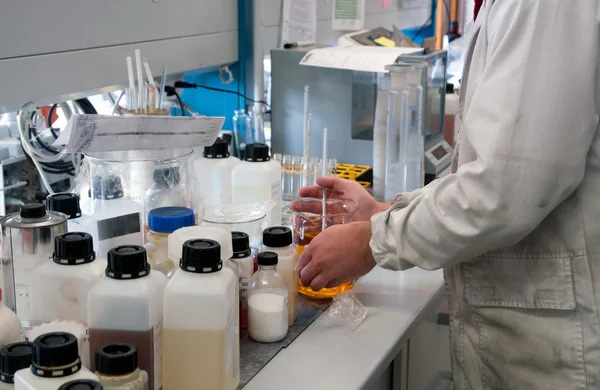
(201, 256)
(220, 149)
(82, 384)
(256, 153)
(227, 138)
(14, 357)
(241, 244)
(33, 211)
(56, 349)
(167, 177)
(64, 203)
(277, 237)
(108, 188)
(116, 359)
(127, 262)
(74, 248)
(267, 258)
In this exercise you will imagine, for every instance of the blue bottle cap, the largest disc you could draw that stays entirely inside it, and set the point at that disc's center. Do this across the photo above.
(169, 219)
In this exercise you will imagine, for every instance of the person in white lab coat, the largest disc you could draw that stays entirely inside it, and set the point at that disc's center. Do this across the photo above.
(516, 227)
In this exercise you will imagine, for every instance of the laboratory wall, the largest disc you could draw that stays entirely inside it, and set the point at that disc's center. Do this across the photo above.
(411, 14)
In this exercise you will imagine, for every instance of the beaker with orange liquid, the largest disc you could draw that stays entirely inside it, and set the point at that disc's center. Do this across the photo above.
(309, 221)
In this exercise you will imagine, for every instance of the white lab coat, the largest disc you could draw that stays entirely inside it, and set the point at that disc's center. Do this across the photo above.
(517, 226)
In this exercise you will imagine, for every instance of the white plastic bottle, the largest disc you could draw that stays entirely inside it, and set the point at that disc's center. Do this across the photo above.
(117, 219)
(13, 357)
(59, 288)
(242, 256)
(117, 368)
(126, 307)
(55, 361)
(69, 204)
(77, 329)
(257, 179)
(213, 170)
(267, 301)
(10, 326)
(279, 239)
(162, 222)
(199, 322)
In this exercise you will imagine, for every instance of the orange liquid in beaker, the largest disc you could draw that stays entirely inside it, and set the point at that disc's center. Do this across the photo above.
(301, 241)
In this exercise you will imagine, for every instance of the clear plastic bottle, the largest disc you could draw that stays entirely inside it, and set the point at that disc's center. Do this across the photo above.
(10, 326)
(257, 179)
(69, 205)
(55, 361)
(165, 191)
(242, 256)
(126, 307)
(59, 288)
(117, 219)
(82, 384)
(162, 222)
(267, 301)
(199, 322)
(213, 170)
(117, 368)
(13, 357)
(242, 131)
(279, 239)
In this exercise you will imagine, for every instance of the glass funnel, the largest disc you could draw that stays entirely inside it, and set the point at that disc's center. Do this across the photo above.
(308, 221)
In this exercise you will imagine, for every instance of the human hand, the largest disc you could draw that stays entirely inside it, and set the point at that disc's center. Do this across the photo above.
(338, 188)
(338, 255)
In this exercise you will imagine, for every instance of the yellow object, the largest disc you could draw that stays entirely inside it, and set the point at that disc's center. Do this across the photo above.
(352, 172)
(384, 41)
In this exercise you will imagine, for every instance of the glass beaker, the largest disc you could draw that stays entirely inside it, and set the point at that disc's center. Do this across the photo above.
(247, 218)
(309, 221)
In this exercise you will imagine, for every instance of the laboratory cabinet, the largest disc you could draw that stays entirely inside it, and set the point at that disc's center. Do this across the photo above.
(65, 48)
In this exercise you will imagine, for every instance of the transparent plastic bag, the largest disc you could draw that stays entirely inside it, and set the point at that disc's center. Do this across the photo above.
(346, 310)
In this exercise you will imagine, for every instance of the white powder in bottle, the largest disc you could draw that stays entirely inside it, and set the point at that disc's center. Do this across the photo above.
(268, 316)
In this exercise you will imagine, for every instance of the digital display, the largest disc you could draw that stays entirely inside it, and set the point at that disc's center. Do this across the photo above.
(439, 152)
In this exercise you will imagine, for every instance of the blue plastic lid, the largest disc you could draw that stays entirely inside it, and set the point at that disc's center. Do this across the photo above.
(169, 219)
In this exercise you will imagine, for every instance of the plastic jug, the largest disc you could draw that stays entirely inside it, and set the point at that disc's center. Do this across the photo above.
(213, 170)
(308, 223)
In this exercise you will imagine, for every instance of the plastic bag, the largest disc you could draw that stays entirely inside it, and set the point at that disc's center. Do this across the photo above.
(346, 310)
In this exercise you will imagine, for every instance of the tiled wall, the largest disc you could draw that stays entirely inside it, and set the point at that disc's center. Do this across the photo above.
(414, 13)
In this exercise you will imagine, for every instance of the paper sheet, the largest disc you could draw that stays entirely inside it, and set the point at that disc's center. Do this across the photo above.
(360, 58)
(299, 21)
(107, 133)
(348, 15)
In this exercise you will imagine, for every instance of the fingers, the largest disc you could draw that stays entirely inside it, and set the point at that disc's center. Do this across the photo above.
(311, 192)
(319, 282)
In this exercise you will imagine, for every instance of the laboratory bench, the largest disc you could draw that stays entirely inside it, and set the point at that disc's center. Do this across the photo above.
(401, 345)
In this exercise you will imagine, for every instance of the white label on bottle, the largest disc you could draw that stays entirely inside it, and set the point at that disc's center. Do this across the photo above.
(158, 330)
(230, 347)
(285, 314)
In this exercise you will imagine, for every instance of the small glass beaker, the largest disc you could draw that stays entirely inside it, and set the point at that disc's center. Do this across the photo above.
(247, 218)
(309, 221)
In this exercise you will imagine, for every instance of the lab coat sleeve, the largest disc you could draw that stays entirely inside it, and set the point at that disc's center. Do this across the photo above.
(530, 125)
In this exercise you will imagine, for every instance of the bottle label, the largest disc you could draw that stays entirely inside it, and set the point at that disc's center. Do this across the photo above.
(119, 226)
(230, 347)
(157, 331)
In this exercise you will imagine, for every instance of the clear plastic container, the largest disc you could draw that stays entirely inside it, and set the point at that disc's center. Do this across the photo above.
(59, 288)
(55, 361)
(279, 239)
(117, 368)
(162, 222)
(248, 218)
(199, 322)
(307, 225)
(69, 205)
(243, 258)
(242, 131)
(116, 217)
(257, 179)
(10, 326)
(126, 307)
(213, 170)
(166, 190)
(404, 137)
(13, 357)
(268, 301)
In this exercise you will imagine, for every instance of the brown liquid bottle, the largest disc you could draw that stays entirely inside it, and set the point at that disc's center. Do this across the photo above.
(126, 307)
